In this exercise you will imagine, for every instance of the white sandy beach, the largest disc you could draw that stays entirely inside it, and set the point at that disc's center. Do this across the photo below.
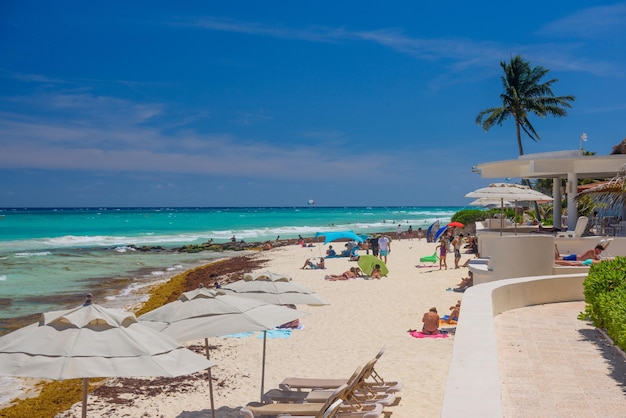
(363, 317)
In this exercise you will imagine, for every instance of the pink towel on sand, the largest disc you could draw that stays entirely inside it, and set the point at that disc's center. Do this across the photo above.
(419, 334)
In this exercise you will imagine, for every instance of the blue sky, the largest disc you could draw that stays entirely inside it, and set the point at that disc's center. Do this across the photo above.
(249, 103)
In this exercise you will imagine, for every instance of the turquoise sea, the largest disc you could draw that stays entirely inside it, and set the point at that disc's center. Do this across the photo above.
(49, 258)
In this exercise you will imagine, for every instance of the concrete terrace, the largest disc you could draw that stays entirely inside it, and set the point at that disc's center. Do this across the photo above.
(554, 365)
(520, 351)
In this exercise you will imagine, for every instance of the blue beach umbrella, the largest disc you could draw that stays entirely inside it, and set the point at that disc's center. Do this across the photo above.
(440, 231)
(331, 236)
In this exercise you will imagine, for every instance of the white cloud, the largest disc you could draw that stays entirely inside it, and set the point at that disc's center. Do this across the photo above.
(601, 22)
(110, 134)
(462, 55)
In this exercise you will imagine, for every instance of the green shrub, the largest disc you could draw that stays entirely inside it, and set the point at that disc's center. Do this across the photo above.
(469, 216)
(605, 298)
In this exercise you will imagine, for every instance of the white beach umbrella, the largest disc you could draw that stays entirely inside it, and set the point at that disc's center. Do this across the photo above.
(204, 313)
(93, 341)
(491, 202)
(508, 191)
(273, 288)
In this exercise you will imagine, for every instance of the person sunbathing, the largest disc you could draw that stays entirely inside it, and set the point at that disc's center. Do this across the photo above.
(309, 263)
(431, 322)
(466, 283)
(593, 254)
(346, 275)
(454, 312)
(293, 324)
(587, 258)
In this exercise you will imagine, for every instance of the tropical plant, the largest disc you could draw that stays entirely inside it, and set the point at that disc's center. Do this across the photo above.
(610, 195)
(524, 93)
(469, 216)
(605, 298)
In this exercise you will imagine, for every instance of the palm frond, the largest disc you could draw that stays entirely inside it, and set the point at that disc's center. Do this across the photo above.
(611, 194)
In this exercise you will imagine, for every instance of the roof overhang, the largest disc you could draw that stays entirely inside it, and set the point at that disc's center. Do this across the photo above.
(554, 164)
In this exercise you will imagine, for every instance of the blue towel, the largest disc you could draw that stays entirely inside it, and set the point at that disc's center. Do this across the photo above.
(276, 333)
(239, 335)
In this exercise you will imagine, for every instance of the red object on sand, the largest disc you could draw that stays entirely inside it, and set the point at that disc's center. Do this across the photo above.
(456, 225)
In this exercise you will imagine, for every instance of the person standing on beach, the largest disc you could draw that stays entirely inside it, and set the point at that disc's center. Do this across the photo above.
(399, 231)
(456, 244)
(384, 246)
(443, 252)
(410, 232)
(374, 245)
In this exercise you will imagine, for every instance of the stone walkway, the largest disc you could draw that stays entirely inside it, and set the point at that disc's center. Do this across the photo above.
(554, 365)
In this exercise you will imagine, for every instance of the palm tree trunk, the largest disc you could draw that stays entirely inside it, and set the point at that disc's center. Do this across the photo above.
(519, 137)
(521, 152)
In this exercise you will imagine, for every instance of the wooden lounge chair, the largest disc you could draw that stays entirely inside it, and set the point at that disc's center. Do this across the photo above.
(317, 410)
(334, 412)
(362, 392)
(375, 383)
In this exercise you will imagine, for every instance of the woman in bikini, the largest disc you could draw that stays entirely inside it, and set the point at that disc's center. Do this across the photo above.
(431, 322)
(346, 275)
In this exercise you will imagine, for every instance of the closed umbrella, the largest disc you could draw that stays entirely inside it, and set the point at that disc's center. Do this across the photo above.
(274, 288)
(204, 313)
(93, 341)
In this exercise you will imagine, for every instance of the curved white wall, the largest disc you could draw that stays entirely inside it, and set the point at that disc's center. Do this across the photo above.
(515, 256)
(475, 351)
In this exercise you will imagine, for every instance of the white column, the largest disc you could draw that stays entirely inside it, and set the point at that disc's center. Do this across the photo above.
(572, 191)
(557, 209)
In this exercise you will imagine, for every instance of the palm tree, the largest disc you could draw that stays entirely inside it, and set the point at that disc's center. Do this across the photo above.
(524, 93)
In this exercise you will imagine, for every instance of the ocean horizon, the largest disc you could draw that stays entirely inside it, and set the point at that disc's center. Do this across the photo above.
(51, 257)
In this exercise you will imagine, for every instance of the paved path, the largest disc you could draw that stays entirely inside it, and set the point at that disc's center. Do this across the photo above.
(553, 365)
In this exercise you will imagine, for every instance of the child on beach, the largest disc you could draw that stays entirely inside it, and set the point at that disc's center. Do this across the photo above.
(443, 252)
(376, 273)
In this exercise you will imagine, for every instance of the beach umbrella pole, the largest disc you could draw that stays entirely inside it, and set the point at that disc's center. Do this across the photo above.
(206, 349)
(514, 215)
(263, 368)
(501, 215)
(85, 391)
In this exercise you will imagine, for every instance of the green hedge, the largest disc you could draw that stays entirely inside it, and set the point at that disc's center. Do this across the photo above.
(469, 216)
(605, 297)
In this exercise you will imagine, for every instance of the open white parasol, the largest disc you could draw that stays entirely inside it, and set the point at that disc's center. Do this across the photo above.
(204, 313)
(93, 341)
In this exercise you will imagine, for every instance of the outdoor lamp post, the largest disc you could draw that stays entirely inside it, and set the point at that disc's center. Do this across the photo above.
(583, 137)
